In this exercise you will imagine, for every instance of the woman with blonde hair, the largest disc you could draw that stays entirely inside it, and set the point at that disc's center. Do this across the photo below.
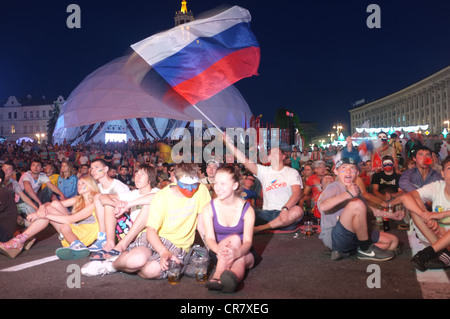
(67, 180)
(77, 229)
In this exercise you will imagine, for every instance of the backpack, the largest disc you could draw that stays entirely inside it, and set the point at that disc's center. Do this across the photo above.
(196, 251)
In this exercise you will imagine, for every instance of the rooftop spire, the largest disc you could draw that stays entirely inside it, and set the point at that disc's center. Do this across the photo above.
(183, 7)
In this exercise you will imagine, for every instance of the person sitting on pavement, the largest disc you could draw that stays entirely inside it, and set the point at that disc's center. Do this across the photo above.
(116, 204)
(106, 185)
(281, 188)
(67, 180)
(313, 186)
(435, 256)
(209, 179)
(77, 229)
(382, 149)
(431, 225)
(247, 189)
(125, 177)
(420, 175)
(25, 205)
(385, 184)
(174, 215)
(228, 222)
(344, 226)
(32, 181)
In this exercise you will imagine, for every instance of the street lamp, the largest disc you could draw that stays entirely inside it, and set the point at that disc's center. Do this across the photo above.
(338, 127)
(40, 136)
(331, 136)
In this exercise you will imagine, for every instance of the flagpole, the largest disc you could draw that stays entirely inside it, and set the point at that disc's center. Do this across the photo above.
(195, 106)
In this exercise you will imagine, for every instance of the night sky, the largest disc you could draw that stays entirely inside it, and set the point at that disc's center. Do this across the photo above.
(317, 57)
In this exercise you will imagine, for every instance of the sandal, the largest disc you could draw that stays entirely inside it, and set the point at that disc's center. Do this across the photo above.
(97, 246)
(10, 252)
(98, 256)
(214, 284)
(14, 246)
(229, 281)
(113, 254)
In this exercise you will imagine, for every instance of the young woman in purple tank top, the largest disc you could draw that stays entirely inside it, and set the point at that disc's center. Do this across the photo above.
(228, 223)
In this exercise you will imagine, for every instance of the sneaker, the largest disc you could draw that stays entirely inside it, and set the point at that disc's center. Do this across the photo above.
(98, 244)
(97, 268)
(76, 250)
(421, 259)
(440, 262)
(375, 253)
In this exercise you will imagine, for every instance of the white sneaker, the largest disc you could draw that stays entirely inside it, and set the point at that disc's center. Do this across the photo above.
(97, 268)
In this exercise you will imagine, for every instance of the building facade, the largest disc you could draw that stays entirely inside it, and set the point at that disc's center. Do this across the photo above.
(426, 102)
(26, 117)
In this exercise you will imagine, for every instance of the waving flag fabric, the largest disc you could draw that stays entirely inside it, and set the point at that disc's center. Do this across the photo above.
(203, 57)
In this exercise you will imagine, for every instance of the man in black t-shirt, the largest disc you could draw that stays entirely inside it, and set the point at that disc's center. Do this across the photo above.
(385, 183)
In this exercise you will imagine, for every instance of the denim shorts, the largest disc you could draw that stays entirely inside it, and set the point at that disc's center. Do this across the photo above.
(264, 216)
(345, 241)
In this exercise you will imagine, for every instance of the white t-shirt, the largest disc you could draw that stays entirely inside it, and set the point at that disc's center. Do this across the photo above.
(445, 148)
(83, 160)
(434, 192)
(116, 188)
(131, 196)
(276, 185)
(35, 184)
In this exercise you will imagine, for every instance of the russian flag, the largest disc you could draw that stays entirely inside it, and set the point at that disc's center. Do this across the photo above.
(203, 57)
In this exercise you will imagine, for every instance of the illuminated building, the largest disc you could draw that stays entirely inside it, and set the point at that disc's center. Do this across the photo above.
(422, 103)
(26, 117)
(183, 16)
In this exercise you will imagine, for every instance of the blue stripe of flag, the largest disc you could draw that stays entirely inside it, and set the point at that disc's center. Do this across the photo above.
(203, 52)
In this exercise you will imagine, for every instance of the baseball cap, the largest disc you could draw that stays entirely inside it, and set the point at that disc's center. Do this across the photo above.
(212, 161)
(347, 160)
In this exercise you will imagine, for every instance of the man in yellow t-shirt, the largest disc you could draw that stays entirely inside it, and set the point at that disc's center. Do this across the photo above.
(174, 216)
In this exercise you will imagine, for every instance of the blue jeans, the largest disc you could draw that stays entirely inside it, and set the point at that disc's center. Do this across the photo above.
(264, 216)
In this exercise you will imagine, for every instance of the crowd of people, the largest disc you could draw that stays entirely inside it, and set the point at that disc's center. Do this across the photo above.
(130, 208)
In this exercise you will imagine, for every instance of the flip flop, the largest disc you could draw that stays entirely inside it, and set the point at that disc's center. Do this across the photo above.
(229, 281)
(113, 254)
(214, 284)
(98, 256)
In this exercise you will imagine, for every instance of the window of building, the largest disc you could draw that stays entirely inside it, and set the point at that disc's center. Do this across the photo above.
(25, 115)
(13, 129)
(9, 115)
(37, 114)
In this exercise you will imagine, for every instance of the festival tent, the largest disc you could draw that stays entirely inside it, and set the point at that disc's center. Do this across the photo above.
(121, 97)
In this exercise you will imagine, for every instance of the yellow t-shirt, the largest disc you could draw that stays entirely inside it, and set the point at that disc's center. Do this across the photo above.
(53, 179)
(175, 218)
